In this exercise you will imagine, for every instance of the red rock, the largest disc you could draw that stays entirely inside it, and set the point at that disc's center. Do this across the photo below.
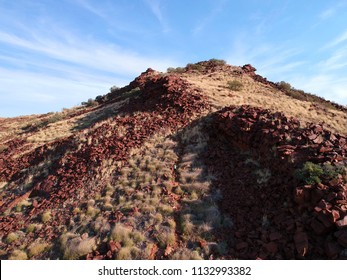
(301, 243)
(332, 249)
(114, 246)
(317, 195)
(342, 223)
(333, 215)
(318, 140)
(312, 136)
(324, 205)
(241, 246)
(318, 227)
(84, 236)
(275, 236)
(35, 203)
(168, 250)
(341, 236)
(325, 218)
(299, 196)
(325, 150)
(271, 247)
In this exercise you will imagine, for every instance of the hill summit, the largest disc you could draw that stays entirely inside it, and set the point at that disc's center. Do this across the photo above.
(207, 161)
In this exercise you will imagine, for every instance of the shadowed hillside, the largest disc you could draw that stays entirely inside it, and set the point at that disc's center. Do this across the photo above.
(209, 161)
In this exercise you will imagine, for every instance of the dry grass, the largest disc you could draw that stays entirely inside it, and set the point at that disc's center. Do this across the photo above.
(121, 233)
(18, 255)
(74, 247)
(37, 248)
(215, 87)
(46, 216)
(11, 237)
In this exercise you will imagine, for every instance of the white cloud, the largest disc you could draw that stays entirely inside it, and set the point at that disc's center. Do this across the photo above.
(56, 68)
(338, 40)
(332, 10)
(100, 12)
(279, 63)
(328, 13)
(273, 62)
(207, 19)
(96, 55)
(337, 60)
(157, 9)
(325, 85)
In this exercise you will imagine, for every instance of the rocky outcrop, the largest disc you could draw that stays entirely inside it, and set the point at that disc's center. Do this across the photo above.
(312, 223)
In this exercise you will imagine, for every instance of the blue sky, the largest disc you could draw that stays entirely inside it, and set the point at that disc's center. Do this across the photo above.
(55, 54)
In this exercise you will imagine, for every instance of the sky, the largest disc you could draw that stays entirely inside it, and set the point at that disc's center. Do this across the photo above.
(56, 54)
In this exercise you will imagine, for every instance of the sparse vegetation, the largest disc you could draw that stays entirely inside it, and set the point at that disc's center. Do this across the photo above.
(89, 103)
(114, 88)
(176, 70)
(121, 234)
(217, 62)
(55, 118)
(312, 173)
(46, 216)
(11, 237)
(18, 255)
(235, 85)
(3, 147)
(304, 96)
(157, 199)
(37, 248)
(74, 247)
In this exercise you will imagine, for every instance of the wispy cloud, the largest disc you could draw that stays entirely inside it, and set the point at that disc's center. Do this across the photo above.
(323, 84)
(58, 68)
(337, 41)
(24, 92)
(100, 12)
(156, 6)
(97, 55)
(271, 61)
(335, 61)
(207, 19)
(328, 13)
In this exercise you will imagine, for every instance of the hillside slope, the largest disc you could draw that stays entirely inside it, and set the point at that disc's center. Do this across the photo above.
(210, 161)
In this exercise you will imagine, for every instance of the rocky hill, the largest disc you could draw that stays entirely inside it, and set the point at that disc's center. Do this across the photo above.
(209, 161)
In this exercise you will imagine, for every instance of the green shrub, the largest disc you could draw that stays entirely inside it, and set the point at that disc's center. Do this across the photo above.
(217, 62)
(55, 118)
(114, 88)
(196, 67)
(176, 70)
(91, 102)
(310, 173)
(284, 86)
(235, 85)
(331, 172)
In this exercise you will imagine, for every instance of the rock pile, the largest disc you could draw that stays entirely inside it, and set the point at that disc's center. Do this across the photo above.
(316, 224)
